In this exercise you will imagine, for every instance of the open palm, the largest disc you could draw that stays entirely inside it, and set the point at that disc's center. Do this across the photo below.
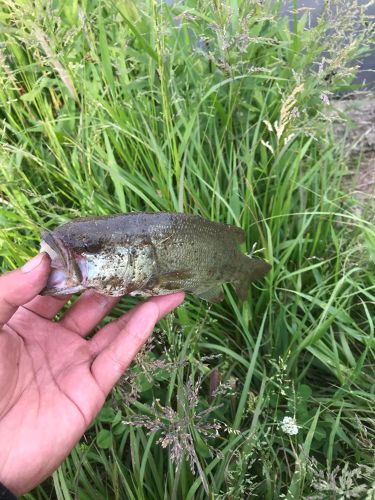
(52, 380)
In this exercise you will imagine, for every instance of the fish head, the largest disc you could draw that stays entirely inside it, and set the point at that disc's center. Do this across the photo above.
(68, 272)
(80, 261)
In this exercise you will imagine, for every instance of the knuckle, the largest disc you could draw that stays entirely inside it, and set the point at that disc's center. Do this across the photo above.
(118, 365)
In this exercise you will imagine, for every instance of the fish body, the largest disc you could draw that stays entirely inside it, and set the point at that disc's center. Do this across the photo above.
(149, 254)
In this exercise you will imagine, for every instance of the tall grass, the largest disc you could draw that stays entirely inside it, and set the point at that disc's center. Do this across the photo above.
(214, 108)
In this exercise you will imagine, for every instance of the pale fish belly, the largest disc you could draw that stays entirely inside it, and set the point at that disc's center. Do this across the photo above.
(117, 271)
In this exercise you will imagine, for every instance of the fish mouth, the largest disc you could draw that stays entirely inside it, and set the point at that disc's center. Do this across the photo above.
(67, 270)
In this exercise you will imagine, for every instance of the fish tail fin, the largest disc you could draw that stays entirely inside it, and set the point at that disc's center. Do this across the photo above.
(251, 270)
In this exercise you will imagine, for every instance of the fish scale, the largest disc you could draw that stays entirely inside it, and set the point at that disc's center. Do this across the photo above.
(149, 254)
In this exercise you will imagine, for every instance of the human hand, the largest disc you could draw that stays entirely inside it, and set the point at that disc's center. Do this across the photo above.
(53, 381)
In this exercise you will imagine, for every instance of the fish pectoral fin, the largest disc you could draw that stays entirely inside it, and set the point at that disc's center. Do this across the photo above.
(171, 280)
(214, 294)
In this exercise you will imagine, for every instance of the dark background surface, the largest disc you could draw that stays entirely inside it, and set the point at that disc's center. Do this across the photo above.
(366, 74)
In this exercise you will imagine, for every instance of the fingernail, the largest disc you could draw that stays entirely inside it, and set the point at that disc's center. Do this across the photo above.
(33, 263)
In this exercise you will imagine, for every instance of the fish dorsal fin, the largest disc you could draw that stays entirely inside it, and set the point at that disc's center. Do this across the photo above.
(237, 233)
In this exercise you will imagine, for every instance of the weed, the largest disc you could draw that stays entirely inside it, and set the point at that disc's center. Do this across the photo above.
(218, 109)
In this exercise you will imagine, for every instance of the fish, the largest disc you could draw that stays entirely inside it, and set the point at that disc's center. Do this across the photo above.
(149, 254)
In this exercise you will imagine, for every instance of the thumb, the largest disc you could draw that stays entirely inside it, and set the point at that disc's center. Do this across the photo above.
(19, 286)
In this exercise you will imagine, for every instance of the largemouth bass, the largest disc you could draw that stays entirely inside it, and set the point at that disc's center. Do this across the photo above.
(149, 254)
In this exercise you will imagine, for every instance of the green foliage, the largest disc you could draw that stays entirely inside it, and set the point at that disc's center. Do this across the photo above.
(213, 108)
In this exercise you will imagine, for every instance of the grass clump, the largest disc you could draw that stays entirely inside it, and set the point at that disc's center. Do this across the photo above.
(219, 109)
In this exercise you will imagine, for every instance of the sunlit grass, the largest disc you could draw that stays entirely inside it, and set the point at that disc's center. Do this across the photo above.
(216, 109)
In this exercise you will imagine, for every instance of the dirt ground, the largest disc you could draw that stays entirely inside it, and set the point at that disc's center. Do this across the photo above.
(359, 132)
